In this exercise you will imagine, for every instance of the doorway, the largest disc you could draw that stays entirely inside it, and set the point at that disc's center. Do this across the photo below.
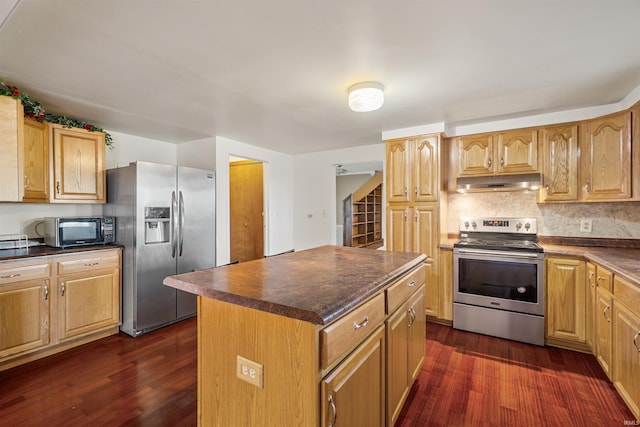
(246, 210)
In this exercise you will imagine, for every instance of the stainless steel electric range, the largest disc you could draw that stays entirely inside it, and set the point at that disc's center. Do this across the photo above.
(498, 275)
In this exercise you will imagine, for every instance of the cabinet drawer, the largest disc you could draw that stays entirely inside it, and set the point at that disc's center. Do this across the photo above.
(404, 287)
(627, 293)
(604, 278)
(17, 271)
(87, 261)
(347, 332)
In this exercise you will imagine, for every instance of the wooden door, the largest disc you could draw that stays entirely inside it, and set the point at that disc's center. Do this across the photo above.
(246, 209)
(36, 161)
(591, 307)
(425, 240)
(475, 154)
(398, 228)
(604, 329)
(398, 170)
(565, 285)
(398, 336)
(353, 393)
(417, 334)
(517, 151)
(626, 356)
(560, 151)
(606, 158)
(426, 175)
(78, 165)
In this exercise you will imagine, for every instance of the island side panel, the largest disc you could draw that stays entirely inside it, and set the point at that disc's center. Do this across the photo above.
(287, 349)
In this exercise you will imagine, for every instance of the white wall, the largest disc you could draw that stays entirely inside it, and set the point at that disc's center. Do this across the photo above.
(278, 182)
(315, 192)
(130, 148)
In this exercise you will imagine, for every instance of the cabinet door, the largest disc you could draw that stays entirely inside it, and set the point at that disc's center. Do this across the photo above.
(88, 301)
(398, 373)
(604, 331)
(398, 228)
(560, 164)
(36, 161)
(426, 175)
(425, 240)
(417, 334)
(353, 393)
(590, 307)
(445, 278)
(78, 166)
(566, 299)
(606, 158)
(517, 151)
(398, 170)
(626, 356)
(11, 149)
(475, 154)
(25, 307)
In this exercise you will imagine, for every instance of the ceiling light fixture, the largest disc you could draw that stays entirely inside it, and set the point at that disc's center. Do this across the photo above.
(366, 96)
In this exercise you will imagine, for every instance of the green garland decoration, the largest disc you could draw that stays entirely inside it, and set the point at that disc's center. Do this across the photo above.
(34, 109)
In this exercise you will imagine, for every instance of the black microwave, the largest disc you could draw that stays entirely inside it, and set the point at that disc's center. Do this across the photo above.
(62, 232)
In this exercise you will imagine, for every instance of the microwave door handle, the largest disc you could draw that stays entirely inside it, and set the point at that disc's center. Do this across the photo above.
(174, 218)
(181, 224)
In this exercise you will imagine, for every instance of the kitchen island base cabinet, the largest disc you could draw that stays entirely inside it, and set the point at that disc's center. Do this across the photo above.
(286, 348)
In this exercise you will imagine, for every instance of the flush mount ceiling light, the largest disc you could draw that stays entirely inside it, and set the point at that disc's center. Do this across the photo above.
(366, 96)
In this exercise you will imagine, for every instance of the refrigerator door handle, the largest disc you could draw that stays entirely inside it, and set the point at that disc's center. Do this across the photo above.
(181, 223)
(174, 220)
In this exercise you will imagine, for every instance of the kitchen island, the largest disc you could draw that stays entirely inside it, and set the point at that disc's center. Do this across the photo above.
(305, 338)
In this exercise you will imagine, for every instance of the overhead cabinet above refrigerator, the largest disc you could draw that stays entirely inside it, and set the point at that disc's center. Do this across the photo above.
(165, 218)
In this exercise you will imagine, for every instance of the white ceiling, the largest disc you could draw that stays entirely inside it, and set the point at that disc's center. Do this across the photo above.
(275, 73)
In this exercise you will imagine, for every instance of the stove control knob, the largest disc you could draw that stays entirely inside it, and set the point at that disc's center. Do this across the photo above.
(466, 224)
(527, 226)
(474, 225)
(518, 226)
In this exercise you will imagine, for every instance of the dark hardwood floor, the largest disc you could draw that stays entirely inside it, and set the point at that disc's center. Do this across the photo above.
(467, 379)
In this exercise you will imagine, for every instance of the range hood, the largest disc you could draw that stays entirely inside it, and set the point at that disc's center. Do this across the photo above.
(519, 182)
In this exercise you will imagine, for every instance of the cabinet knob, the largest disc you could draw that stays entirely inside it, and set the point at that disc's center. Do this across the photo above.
(502, 161)
(604, 313)
(58, 187)
(62, 290)
(334, 411)
(46, 293)
(634, 341)
(489, 162)
(587, 187)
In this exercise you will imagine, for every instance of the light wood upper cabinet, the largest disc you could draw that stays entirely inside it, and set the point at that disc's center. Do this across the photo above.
(565, 285)
(11, 149)
(605, 150)
(78, 165)
(560, 163)
(36, 161)
(413, 172)
(475, 155)
(508, 152)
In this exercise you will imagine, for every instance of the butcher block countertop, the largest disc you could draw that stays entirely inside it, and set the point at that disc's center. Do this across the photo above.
(316, 285)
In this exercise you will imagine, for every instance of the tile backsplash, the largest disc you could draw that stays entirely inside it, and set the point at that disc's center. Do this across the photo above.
(619, 220)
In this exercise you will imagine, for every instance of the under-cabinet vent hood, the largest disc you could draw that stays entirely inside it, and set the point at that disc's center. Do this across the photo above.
(520, 182)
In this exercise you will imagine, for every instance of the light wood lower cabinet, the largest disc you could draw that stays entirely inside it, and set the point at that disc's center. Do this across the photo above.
(406, 333)
(89, 298)
(54, 303)
(626, 343)
(24, 307)
(353, 393)
(603, 329)
(565, 288)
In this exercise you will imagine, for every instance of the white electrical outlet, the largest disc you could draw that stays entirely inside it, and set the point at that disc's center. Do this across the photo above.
(585, 225)
(249, 371)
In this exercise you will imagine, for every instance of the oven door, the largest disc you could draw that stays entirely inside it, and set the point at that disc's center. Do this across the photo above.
(504, 280)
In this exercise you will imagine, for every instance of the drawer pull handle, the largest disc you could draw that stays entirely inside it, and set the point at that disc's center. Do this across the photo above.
(411, 284)
(604, 312)
(62, 290)
(11, 276)
(91, 264)
(412, 316)
(635, 343)
(334, 411)
(46, 293)
(362, 324)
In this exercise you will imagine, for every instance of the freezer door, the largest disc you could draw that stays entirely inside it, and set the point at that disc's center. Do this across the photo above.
(197, 236)
(155, 302)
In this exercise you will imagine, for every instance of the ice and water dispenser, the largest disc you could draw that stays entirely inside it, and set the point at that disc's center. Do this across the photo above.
(157, 224)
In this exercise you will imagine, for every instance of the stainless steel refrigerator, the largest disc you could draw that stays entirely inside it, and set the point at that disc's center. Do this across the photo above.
(165, 218)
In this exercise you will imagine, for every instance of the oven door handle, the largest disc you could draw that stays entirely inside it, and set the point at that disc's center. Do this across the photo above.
(503, 254)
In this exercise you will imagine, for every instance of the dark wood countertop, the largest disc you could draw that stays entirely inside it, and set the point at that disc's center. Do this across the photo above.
(316, 285)
(36, 251)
